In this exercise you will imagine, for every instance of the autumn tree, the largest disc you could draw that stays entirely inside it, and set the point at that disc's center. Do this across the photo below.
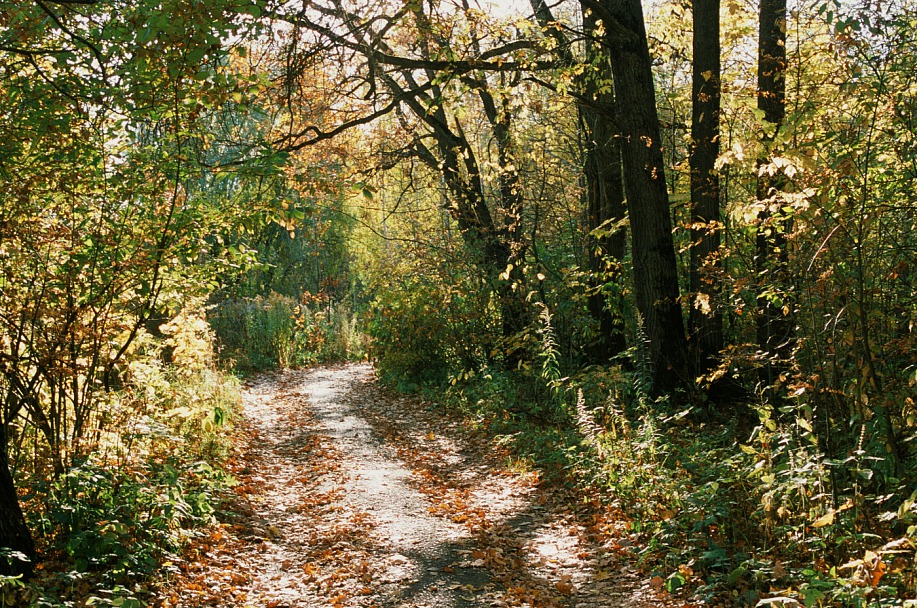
(420, 81)
(99, 211)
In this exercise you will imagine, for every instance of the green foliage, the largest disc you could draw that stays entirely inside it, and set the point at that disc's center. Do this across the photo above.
(109, 530)
(728, 521)
(105, 218)
(152, 475)
(424, 325)
(277, 331)
(124, 523)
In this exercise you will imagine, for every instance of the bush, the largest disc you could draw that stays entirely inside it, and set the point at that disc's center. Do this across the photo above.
(730, 521)
(142, 485)
(424, 329)
(278, 331)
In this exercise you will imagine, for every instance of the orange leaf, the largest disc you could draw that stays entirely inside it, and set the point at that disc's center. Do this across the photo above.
(309, 569)
(878, 572)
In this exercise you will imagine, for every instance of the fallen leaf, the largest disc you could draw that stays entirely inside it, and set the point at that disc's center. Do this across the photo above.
(825, 520)
(309, 571)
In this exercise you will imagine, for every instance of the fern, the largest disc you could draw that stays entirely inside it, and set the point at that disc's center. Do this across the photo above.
(549, 355)
(643, 369)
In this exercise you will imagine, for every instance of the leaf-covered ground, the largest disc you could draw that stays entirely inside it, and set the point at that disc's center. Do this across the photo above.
(353, 496)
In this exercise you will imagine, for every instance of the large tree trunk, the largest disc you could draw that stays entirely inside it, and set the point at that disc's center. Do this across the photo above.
(706, 319)
(655, 271)
(775, 323)
(14, 534)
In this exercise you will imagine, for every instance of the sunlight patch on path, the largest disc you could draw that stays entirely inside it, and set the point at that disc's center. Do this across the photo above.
(417, 543)
(353, 496)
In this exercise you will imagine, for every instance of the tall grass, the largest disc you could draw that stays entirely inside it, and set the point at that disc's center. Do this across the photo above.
(279, 331)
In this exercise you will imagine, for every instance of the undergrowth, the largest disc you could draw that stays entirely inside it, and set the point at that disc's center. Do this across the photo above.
(731, 509)
(281, 332)
(113, 525)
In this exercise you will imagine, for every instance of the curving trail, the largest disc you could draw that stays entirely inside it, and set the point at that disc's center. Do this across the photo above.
(353, 496)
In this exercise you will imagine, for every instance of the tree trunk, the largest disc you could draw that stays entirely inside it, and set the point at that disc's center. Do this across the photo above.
(604, 188)
(14, 534)
(655, 270)
(706, 319)
(605, 204)
(775, 324)
(515, 311)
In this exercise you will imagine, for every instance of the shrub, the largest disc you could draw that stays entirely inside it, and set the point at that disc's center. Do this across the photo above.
(425, 328)
(277, 331)
(141, 485)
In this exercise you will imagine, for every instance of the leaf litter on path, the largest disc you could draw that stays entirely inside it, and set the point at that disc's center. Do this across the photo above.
(351, 495)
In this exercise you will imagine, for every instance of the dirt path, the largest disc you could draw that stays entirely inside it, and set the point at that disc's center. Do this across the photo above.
(352, 496)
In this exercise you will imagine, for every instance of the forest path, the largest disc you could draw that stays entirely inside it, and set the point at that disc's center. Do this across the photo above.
(354, 496)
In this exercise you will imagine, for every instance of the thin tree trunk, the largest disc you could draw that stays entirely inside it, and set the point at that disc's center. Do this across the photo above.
(605, 203)
(775, 322)
(14, 534)
(705, 319)
(604, 187)
(515, 312)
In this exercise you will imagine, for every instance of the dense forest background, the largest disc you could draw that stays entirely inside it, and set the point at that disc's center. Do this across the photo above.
(665, 253)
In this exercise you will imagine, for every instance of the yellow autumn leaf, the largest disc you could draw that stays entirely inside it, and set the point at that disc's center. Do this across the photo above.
(825, 520)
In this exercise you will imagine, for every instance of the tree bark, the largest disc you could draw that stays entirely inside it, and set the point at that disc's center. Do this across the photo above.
(605, 202)
(705, 319)
(516, 314)
(14, 534)
(655, 270)
(775, 322)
